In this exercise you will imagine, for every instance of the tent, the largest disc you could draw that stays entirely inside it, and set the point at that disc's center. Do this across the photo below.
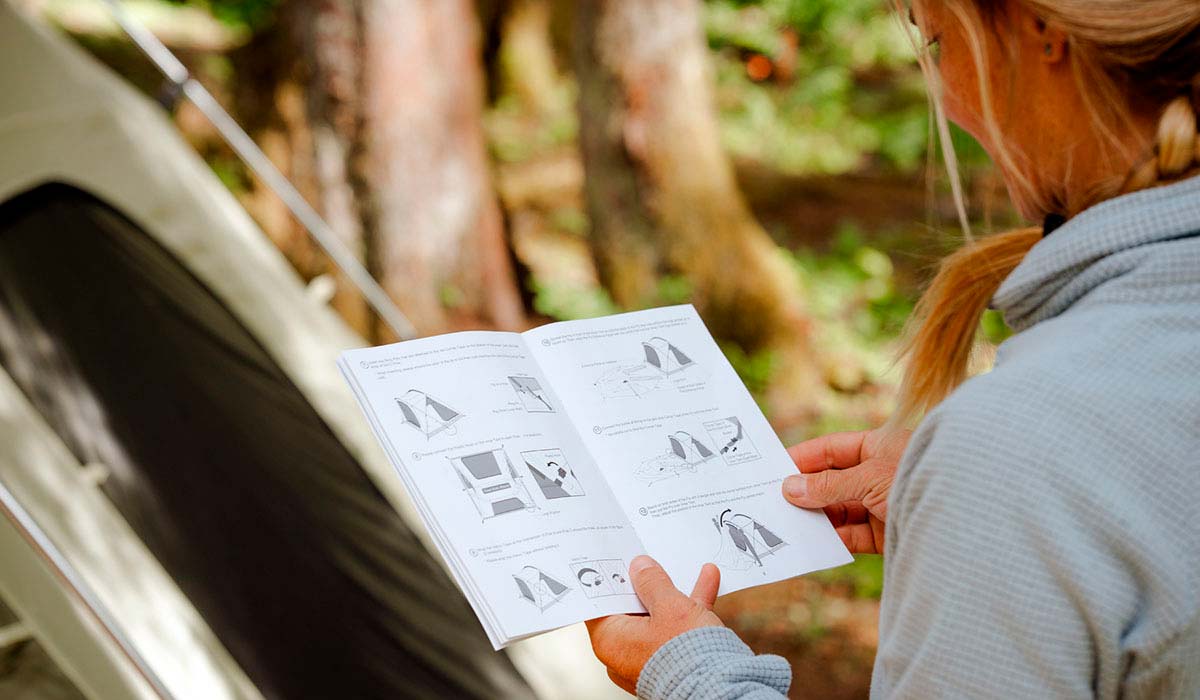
(190, 503)
(539, 588)
(664, 356)
(688, 448)
(425, 413)
(744, 541)
(492, 483)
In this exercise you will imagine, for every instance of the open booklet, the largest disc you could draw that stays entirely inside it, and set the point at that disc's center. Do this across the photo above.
(543, 462)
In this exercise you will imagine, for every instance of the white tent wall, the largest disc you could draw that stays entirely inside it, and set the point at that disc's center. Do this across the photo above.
(87, 656)
(65, 118)
(155, 617)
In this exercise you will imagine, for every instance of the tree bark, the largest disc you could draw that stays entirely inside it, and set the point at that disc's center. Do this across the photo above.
(378, 108)
(661, 193)
(433, 221)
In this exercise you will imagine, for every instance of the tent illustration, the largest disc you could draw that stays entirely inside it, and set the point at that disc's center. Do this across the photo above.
(688, 448)
(629, 382)
(539, 587)
(492, 483)
(732, 445)
(664, 356)
(531, 393)
(425, 413)
(552, 474)
(744, 540)
(603, 577)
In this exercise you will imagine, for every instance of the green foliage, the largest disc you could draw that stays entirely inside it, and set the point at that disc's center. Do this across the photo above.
(864, 576)
(993, 328)
(853, 93)
(451, 296)
(516, 135)
(253, 15)
(673, 289)
(754, 369)
(564, 302)
(854, 284)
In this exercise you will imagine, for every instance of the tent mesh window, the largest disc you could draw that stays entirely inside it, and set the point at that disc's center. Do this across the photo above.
(26, 670)
(223, 468)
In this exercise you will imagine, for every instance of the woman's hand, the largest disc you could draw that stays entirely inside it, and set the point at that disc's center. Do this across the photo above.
(849, 476)
(624, 643)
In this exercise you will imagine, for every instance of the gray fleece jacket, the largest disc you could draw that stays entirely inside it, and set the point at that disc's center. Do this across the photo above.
(1043, 534)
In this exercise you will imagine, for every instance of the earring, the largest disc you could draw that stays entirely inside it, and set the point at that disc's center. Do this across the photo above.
(1048, 49)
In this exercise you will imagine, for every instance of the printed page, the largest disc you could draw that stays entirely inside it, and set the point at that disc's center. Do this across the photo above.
(514, 502)
(686, 451)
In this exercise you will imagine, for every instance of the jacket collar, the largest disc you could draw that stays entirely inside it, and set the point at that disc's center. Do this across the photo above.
(1063, 267)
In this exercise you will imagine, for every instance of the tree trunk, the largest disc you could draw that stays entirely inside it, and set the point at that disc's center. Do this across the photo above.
(378, 108)
(325, 37)
(660, 190)
(433, 222)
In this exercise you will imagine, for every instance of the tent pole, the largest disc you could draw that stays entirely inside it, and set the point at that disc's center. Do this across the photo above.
(12, 510)
(12, 634)
(237, 138)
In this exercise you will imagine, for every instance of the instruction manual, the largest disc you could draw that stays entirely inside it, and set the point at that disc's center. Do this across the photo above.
(543, 462)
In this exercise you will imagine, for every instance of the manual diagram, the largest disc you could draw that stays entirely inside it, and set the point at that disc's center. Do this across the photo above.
(552, 474)
(426, 414)
(603, 577)
(539, 588)
(744, 541)
(629, 381)
(730, 439)
(665, 357)
(683, 454)
(492, 483)
(660, 366)
(532, 395)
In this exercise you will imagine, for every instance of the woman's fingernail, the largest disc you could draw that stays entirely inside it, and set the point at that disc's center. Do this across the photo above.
(640, 563)
(794, 487)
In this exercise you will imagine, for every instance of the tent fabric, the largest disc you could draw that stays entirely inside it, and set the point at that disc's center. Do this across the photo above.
(65, 118)
(222, 467)
(27, 671)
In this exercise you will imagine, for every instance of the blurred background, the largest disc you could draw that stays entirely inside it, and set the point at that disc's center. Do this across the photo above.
(507, 163)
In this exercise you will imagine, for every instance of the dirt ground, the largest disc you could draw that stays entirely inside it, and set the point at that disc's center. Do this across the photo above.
(824, 628)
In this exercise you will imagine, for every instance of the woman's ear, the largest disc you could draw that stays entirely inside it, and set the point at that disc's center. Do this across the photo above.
(1052, 42)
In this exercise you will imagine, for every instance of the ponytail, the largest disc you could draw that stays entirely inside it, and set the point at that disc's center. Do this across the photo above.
(941, 336)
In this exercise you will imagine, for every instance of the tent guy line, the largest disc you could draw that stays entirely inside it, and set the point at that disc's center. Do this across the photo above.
(237, 138)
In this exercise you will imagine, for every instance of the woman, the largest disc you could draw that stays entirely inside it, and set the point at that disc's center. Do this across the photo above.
(1042, 526)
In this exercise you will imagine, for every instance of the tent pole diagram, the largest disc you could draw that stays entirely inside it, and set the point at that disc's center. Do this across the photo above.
(237, 138)
(492, 483)
(744, 541)
(662, 355)
(427, 415)
(539, 588)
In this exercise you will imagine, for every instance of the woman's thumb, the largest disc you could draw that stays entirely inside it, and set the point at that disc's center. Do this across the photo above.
(827, 487)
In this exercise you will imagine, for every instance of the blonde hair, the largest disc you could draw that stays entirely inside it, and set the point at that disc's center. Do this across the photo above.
(1124, 54)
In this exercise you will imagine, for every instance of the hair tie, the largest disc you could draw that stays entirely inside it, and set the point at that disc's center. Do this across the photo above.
(1051, 223)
